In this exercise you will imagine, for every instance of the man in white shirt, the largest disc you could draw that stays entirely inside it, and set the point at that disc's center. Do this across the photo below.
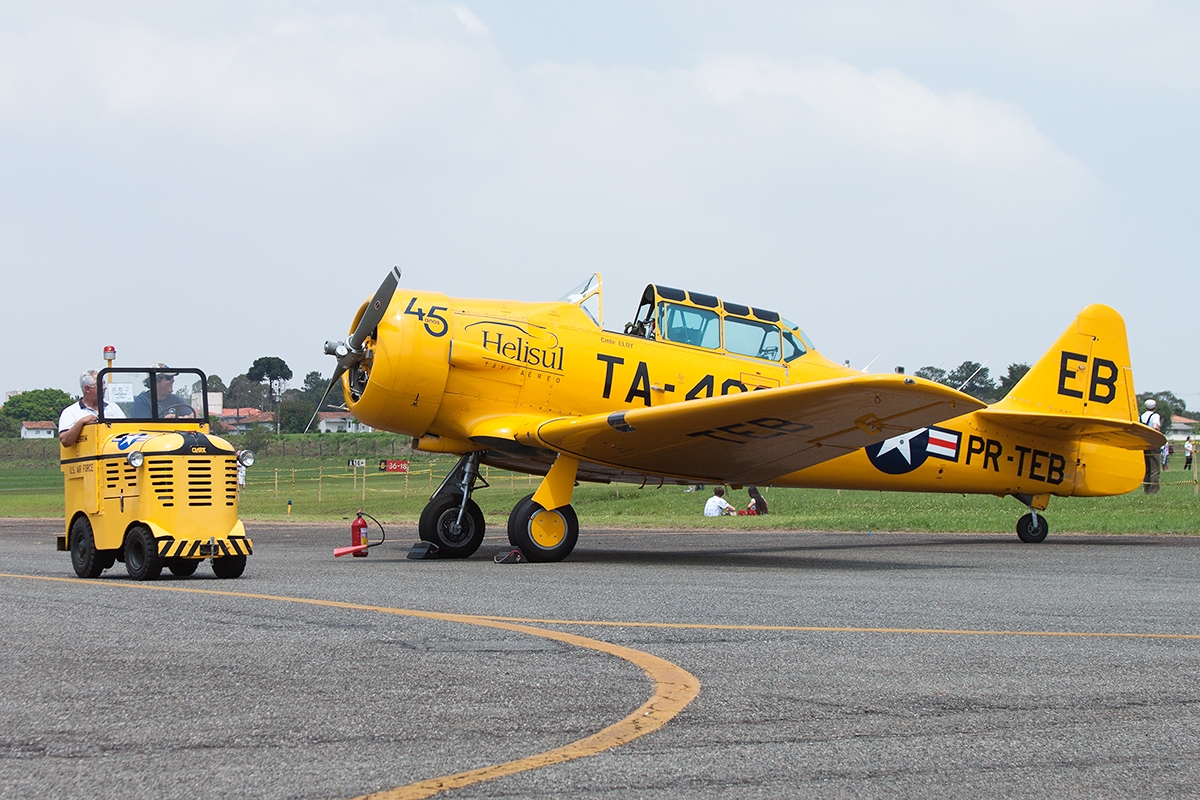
(717, 505)
(1151, 419)
(84, 412)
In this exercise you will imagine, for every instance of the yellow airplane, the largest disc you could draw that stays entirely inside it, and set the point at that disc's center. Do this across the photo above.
(695, 390)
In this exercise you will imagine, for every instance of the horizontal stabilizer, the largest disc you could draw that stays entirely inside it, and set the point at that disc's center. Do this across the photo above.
(753, 437)
(1115, 433)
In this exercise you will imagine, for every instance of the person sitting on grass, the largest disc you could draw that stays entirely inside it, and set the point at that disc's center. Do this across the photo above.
(717, 505)
(758, 504)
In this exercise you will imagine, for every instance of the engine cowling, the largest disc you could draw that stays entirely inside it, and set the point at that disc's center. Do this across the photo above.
(403, 378)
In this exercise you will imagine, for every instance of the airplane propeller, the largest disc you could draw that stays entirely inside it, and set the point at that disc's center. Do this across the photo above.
(349, 353)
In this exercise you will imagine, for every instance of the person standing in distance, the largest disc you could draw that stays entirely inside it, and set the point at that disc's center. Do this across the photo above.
(1151, 419)
(85, 411)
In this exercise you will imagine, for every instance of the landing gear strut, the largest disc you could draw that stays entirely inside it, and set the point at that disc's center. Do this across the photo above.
(452, 520)
(1033, 527)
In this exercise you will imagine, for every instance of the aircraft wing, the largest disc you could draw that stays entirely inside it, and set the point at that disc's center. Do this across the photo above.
(1124, 434)
(753, 437)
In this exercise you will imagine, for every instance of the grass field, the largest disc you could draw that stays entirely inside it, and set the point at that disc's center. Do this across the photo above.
(324, 489)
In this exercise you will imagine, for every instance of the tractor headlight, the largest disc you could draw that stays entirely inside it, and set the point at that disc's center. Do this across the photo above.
(246, 458)
(135, 459)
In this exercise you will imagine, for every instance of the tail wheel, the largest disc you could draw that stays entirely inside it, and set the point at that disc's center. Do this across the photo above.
(228, 566)
(182, 567)
(142, 560)
(439, 524)
(86, 560)
(543, 535)
(1031, 533)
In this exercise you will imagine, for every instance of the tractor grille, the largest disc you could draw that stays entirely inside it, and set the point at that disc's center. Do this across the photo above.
(200, 481)
(117, 473)
(162, 479)
(231, 481)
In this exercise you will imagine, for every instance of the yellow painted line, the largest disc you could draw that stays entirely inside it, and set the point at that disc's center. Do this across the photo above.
(843, 629)
(674, 687)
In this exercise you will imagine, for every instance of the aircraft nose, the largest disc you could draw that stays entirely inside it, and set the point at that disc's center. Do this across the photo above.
(349, 352)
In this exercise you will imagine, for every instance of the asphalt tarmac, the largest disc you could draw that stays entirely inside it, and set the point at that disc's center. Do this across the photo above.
(898, 665)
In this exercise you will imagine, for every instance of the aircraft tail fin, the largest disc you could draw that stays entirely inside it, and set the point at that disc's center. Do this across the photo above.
(1086, 375)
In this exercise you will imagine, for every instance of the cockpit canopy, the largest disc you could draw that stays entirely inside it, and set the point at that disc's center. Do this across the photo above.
(706, 321)
(155, 394)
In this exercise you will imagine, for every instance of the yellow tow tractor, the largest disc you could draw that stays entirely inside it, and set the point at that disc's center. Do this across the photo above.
(149, 485)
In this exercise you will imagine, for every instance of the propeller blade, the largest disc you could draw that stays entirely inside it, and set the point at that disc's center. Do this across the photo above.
(337, 373)
(349, 352)
(375, 309)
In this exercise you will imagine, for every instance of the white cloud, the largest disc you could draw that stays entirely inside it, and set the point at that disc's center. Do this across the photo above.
(887, 109)
(1137, 43)
(471, 22)
(328, 74)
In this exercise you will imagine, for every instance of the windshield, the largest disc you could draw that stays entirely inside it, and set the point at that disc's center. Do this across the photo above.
(587, 296)
(153, 394)
(804, 345)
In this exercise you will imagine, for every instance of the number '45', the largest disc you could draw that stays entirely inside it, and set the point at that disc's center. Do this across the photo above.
(435, 324)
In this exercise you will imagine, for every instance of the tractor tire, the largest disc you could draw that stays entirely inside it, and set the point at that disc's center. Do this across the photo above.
(85, 558)
(142, 561)
(229, 566)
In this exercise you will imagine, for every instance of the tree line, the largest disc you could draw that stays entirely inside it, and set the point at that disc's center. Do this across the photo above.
(973, 378)
(264, 386)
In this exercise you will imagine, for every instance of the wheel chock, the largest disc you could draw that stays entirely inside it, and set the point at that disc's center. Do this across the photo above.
(514, 556)
(423, 550)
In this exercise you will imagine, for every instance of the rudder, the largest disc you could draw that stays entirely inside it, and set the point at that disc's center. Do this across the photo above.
(1086, 373)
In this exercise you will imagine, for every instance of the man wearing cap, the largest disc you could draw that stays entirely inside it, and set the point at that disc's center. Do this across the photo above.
(1151, 419)
(169, 403)
(84, 412)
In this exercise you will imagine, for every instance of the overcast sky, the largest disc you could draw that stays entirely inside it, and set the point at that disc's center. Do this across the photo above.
(203, 184)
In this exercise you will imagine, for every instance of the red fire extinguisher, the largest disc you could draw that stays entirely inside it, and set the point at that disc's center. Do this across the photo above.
(358, 536)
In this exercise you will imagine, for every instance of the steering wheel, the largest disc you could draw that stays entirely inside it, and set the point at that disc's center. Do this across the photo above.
(178, 410)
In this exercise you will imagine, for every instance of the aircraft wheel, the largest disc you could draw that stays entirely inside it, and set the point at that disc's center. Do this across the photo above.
(142, 561)
(1030, 533)
(437, 526)
(87, 561)
(228, 566)
(182, 567)
(543, 535)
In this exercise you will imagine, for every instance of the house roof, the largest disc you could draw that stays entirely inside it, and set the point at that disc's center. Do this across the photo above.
(334, 415)
(38, 425)
(253, 419)
(241, 412)
(1184, 420)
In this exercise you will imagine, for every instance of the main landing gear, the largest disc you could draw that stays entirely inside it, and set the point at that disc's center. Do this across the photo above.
(1033, 527)
(452, 520)
(543, 525)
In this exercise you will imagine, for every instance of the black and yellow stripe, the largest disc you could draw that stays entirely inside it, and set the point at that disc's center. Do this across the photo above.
(170, 547)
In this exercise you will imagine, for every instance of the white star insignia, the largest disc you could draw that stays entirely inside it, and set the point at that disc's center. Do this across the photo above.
(900, 444)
